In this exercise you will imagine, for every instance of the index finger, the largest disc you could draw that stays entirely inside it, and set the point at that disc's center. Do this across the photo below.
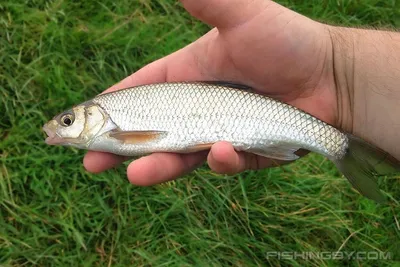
(153, 73)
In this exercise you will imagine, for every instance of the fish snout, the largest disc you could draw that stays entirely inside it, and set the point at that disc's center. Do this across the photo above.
(50, 129)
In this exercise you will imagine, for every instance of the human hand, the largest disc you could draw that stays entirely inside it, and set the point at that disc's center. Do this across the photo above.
(255, 42)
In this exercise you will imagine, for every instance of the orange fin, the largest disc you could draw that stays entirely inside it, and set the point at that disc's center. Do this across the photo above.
(199, 147)
(137, 137)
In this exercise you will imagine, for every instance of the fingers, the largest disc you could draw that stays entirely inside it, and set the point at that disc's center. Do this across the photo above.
(225, 13)
(162, 167)
(153, 73)
(181, 65)
(225, 160)
(97, 162)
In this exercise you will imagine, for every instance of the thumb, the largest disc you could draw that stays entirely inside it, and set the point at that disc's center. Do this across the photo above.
(225, 13)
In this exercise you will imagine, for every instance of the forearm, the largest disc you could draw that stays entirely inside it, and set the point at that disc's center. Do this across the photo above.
(367, 76)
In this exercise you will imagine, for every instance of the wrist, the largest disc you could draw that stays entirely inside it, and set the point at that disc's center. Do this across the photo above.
(366, 70)
(342, 63)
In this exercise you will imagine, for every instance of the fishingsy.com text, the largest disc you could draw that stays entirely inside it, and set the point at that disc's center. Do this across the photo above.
(329, 255)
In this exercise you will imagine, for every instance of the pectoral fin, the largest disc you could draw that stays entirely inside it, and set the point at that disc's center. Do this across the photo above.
(137, 137)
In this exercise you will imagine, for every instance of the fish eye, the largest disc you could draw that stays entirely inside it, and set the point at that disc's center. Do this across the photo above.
(67, 120)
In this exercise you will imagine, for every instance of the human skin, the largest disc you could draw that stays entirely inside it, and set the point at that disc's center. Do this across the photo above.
(346, 77)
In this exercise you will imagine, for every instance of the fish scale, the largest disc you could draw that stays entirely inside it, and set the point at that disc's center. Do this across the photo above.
(212, 112)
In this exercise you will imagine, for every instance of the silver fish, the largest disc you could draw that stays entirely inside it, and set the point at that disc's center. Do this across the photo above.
(186, 117)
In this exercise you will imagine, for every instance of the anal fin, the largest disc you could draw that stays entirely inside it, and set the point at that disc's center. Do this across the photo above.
(281, 152)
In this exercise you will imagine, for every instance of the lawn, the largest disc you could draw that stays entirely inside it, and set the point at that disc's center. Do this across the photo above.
(54, 54)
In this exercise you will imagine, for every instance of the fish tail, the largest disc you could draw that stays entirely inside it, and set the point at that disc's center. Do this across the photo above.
(361, 165)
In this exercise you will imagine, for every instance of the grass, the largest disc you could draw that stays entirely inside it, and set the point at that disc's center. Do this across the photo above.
(54, 54)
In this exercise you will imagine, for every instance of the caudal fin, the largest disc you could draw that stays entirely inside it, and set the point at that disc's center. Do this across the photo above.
(362, 164)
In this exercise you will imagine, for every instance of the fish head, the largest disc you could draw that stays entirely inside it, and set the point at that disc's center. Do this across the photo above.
(77, 127)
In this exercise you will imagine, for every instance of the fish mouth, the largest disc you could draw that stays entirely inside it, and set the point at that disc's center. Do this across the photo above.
(52, 137)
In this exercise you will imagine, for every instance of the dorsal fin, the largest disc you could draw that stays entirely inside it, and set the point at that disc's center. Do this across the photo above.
(230, 84)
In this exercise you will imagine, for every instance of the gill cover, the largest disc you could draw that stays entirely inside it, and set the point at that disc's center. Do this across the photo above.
(77, 126)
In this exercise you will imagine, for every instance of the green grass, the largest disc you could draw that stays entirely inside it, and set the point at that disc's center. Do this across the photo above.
(57, 53)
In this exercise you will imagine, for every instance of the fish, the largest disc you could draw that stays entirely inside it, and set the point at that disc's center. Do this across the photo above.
(187, 117)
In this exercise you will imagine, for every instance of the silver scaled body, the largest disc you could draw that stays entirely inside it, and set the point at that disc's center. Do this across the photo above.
(187, 116)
